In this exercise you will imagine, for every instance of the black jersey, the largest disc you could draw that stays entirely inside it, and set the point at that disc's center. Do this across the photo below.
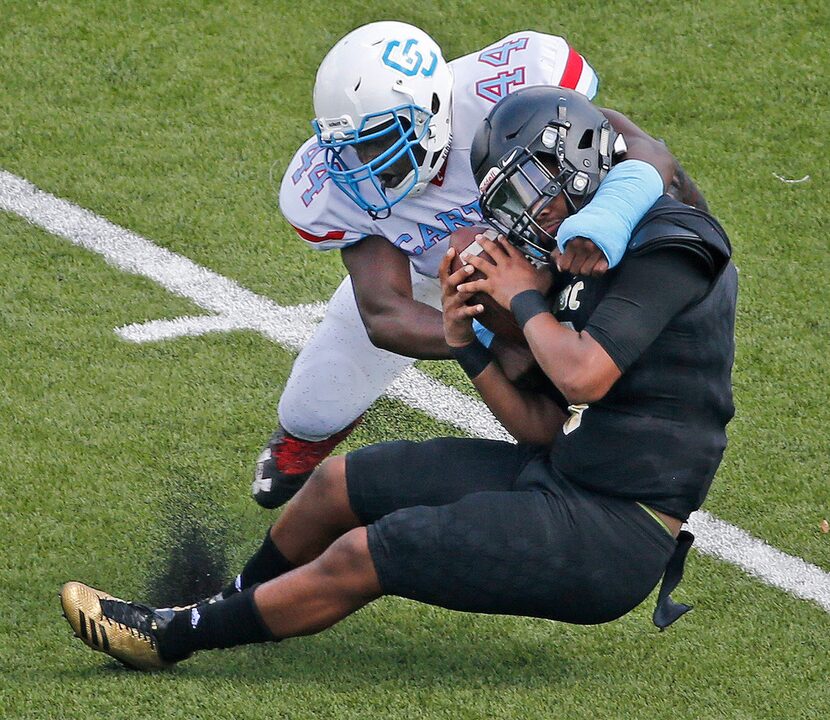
(658, 435)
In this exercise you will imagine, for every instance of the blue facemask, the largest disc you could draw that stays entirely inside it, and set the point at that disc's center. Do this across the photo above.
(356, 179)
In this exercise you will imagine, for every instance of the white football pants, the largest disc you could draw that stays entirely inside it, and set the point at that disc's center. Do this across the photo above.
(339, 373)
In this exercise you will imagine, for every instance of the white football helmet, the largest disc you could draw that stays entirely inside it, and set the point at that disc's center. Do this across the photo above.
(382, 100)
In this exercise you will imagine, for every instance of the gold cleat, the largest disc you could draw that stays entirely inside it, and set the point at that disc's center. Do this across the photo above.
(124, 630)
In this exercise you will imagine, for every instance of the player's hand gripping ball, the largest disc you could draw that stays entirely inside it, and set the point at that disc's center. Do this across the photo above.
(495, 318)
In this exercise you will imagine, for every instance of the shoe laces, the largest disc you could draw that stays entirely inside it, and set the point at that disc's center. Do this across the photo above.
(135, 618)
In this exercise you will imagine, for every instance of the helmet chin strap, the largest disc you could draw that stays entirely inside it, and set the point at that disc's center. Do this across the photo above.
(442, 156)
(434, 168)
(438, 161)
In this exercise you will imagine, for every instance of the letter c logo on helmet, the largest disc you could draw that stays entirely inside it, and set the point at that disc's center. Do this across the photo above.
(411, 62)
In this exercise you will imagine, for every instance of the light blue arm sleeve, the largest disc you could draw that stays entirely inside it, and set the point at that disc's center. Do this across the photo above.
(620, 202)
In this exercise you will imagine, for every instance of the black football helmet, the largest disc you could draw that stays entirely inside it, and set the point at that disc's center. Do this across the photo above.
(536, 143)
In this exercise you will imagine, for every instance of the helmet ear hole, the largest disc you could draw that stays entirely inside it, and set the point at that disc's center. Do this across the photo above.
(436, 103)
(587, 139)
(550, 162)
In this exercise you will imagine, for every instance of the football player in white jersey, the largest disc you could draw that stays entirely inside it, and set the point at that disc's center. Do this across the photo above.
(385, 180)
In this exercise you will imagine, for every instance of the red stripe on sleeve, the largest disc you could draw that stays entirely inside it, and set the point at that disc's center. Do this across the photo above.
(332, 235)
(573, 70)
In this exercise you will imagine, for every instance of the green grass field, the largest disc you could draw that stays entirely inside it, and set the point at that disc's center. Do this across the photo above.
(170, 119)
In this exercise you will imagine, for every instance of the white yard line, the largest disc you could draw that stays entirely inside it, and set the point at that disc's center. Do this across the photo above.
(236, 308)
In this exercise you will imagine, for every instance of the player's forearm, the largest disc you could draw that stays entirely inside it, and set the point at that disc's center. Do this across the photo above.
(529, 417)
(641, 146)
(394, 320)
(683, 188)
(573, 361)
(412, 329)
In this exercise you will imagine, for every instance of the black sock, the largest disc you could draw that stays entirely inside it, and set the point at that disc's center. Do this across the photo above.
(234, 621)
(265, 564)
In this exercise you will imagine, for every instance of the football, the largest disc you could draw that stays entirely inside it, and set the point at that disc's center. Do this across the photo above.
(495, 317)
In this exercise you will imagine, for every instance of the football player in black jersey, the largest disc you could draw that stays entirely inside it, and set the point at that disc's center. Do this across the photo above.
(579, 520)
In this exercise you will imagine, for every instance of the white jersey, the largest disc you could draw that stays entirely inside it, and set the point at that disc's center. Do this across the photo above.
(419, 225)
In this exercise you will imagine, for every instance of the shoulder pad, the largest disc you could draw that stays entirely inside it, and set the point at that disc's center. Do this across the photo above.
(670, 223)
